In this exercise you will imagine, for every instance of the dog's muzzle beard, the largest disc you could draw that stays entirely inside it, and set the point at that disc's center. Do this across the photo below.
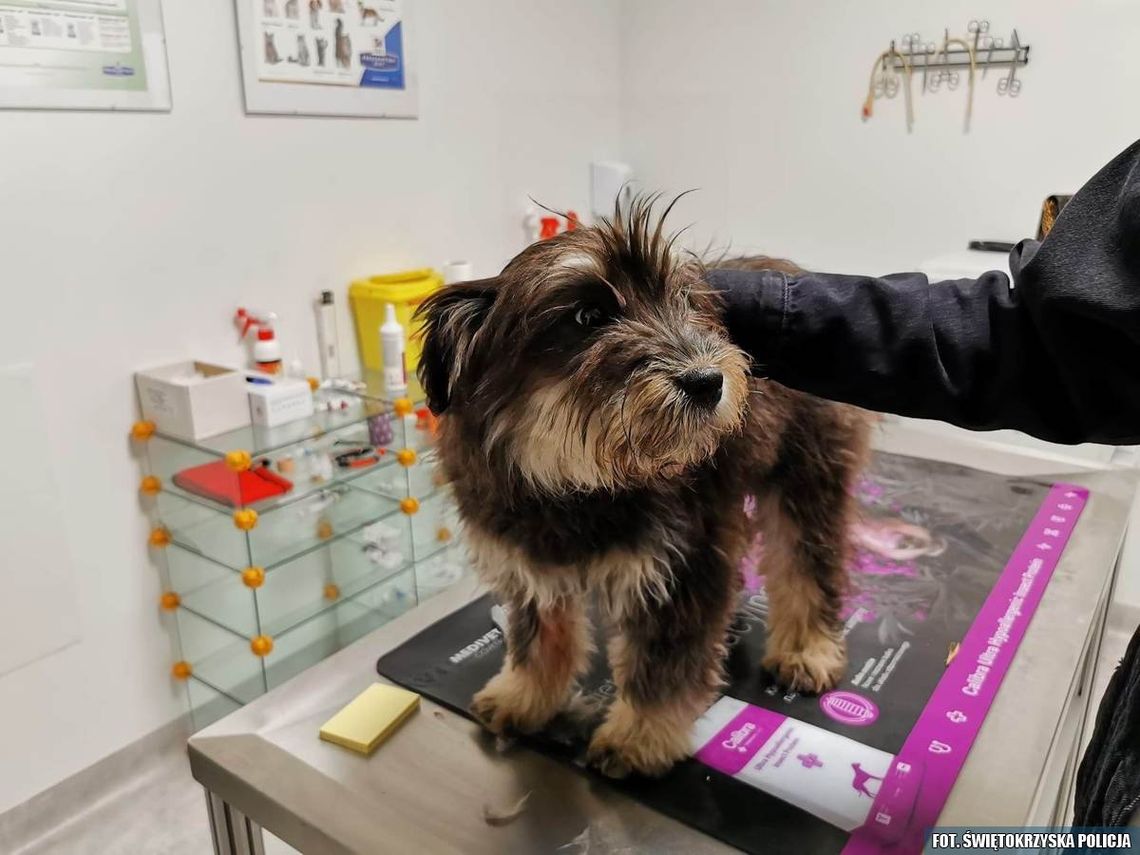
(572, 435)
(672, 419)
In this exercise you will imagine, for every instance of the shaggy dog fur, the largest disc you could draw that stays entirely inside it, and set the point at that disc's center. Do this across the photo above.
(601, 434)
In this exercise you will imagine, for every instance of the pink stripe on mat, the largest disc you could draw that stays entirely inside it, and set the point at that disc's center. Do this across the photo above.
(936, 748)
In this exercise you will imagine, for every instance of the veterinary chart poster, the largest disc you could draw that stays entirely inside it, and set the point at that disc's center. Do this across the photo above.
(948, 566)
(82, 53)
(326, 57)
(333, 42)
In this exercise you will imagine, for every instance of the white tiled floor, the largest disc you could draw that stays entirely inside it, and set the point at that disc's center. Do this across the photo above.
(163, 812)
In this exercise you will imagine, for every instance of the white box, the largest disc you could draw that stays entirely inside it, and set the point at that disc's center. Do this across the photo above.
(285, 400)
(193, 400)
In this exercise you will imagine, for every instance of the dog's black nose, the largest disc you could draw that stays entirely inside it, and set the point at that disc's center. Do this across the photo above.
(702, 386)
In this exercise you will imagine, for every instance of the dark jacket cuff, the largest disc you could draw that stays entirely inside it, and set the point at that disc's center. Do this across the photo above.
(755, 311)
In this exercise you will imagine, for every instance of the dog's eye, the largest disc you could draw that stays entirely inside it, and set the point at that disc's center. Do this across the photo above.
(588, 316)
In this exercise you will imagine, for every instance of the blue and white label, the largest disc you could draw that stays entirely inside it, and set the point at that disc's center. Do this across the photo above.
(384, 67)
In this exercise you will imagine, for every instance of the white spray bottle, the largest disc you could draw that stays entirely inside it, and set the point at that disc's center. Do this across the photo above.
(392, 347)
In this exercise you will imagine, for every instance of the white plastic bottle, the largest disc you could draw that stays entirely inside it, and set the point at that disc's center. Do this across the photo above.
(392, 347)
(327, 338)
(267, 351)
(531, 226)
(458, 271)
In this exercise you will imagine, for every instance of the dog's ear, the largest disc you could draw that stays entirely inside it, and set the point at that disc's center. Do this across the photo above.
(451, 321)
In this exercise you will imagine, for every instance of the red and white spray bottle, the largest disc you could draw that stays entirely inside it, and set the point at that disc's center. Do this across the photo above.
(266, 348)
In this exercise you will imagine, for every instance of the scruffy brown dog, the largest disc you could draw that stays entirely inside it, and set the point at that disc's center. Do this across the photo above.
(601, 434)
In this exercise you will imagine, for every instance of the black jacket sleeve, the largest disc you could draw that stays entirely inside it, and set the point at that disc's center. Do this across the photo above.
(1057, 355)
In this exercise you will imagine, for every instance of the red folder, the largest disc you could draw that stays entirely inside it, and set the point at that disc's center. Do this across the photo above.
(218, 482)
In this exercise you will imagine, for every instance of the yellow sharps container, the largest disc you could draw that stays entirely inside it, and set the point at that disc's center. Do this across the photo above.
(405, 291)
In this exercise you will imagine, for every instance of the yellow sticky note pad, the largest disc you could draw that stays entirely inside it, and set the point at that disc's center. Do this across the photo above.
(370, 718)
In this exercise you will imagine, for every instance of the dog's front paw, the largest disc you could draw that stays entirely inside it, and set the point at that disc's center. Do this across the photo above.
(627, 742)
(812, 669)
(512, 703)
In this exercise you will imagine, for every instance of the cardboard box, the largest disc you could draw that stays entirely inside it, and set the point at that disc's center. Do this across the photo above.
(283, 400)
(193, 400)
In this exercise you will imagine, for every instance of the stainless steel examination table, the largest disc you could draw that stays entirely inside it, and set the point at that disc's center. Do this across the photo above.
(424, 789)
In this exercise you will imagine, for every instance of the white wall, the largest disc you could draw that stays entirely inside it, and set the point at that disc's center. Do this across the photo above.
(128, 240)
(757, 102)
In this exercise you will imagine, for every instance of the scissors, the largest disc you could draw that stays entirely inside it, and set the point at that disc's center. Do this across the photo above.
(979, 29)
(887, 80)
(994, 44)
(1010, 85)
(914, 46)
(942, 74)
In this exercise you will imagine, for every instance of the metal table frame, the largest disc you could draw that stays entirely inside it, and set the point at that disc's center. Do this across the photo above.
(232, 831)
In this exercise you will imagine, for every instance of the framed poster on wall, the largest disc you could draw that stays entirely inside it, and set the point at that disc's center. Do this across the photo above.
(83, 55)
(327, 57)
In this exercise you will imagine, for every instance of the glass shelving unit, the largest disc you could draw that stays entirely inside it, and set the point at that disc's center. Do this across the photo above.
(259, 587)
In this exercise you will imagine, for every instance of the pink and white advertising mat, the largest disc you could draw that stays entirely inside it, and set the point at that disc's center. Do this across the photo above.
(948, 568)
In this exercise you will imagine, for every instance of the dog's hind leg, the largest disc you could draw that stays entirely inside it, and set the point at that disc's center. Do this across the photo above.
(805, 512)
(547, 649)
(667, 662)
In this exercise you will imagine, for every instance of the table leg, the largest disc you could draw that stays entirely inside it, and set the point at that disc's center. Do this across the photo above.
(234, 833)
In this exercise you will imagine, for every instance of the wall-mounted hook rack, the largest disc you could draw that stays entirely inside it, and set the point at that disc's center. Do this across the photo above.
(993, 53)
(940, 63)
(978, 50)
